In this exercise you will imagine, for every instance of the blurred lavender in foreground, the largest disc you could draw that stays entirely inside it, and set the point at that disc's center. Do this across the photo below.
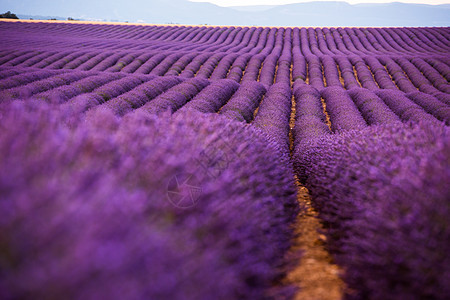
(85, 213)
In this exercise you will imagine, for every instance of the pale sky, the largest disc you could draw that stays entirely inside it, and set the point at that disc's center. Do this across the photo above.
(272, 2)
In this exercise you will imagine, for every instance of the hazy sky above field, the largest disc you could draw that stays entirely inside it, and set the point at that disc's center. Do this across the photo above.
(279, 2)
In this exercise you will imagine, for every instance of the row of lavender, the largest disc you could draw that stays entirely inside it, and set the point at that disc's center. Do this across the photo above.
(268, 57)
(429, 75)
(316, 41)
(347, 109)
(382, 194)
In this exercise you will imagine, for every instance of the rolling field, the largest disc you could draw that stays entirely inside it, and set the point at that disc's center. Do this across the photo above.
(189, 162)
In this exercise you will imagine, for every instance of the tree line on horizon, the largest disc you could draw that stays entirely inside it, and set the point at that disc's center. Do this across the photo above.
(8, 15)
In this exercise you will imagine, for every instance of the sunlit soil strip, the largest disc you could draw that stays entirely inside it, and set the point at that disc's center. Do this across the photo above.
(407, 77)
(373, 76)
(257, 109)
(341, 79)
(327, 116)
(259, 72)
(392, 78)
(315, 275)
(324, 78)
(275, 74)
(292, 123)
(307, 73)
(355, 73)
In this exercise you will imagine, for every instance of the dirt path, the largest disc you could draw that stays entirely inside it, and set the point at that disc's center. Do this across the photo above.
(315, 275)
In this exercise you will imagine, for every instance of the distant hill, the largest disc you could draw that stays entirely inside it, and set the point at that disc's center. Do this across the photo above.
(253, 8)
(185, 12)
(343, 14)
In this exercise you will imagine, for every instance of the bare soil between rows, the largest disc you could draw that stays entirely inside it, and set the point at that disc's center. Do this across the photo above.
(316, 276)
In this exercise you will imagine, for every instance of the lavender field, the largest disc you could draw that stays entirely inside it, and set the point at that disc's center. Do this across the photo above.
(164, 162)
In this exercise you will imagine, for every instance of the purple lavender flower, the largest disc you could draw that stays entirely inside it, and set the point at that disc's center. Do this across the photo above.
(176, 97)
(309, 114)
(431, 105)
(244, 102)
(344, 115)
(212, 98)
(140, 95)
(330, 71)
(383, 195)
(224, 65)
(405, 108)
(372, 108)
(42, 85)
(274, 113)
(104, 93)
(85, 210)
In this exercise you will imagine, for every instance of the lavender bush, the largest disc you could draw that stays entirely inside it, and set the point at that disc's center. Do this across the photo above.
(382, 192)
(42, 85)
(372, 108)
(212, 98)
(310, 119)
(176, 97)
(86, 213)
(274, 113)
(431, 105)
(85, 85)
(140, 95)
(102, 94)
(244, 102)
(405, 108)
(343, 113)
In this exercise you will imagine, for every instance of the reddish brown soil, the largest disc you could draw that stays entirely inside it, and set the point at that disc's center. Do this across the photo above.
(316, 275)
